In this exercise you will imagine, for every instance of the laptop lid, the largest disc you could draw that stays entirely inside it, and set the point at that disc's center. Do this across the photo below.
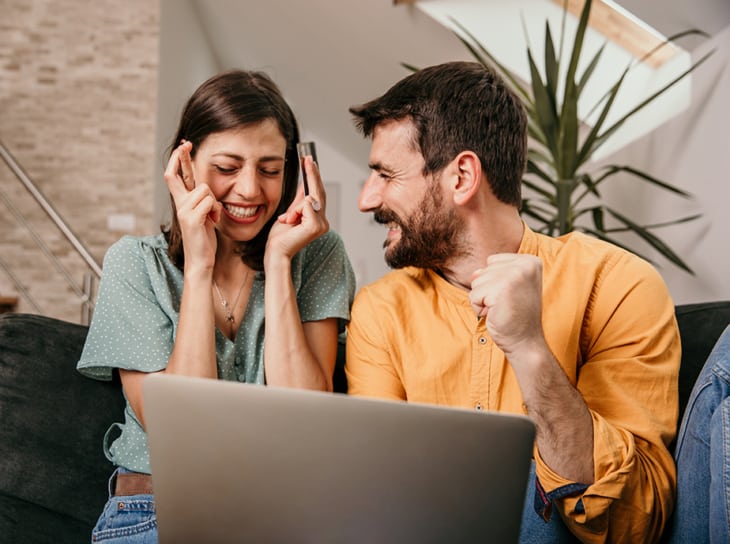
(236, 462)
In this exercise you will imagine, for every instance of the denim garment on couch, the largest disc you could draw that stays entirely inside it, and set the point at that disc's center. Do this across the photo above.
(703, 456)
(126, 520)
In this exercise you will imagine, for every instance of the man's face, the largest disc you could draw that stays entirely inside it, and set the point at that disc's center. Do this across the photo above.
(423, 229)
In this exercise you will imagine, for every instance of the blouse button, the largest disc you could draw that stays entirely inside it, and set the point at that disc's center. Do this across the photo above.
(478, 406)
(482, 340)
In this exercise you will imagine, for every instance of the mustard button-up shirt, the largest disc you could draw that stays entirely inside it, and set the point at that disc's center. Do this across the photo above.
(609, 321)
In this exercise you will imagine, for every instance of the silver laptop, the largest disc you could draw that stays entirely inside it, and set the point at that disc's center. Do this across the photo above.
(234, 462)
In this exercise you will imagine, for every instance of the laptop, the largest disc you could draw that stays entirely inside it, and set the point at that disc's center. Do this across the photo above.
(235, 462)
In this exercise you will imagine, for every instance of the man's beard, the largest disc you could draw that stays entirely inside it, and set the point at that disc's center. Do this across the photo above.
(429, 238)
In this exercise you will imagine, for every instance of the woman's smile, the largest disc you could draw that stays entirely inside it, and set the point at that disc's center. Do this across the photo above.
(242, 213)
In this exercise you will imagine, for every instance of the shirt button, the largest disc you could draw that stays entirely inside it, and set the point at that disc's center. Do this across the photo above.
(482, 340)
(478, 407)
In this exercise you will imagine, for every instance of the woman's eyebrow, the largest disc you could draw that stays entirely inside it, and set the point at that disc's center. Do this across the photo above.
(235, 156)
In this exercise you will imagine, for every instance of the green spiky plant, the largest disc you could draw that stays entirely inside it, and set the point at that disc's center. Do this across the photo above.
(558, 166)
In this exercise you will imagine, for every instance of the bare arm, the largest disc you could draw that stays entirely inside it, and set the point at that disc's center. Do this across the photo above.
(296, 354)
(508, 293)
(194, 350)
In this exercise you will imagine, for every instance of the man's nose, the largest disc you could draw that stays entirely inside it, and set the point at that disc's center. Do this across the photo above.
(371, 197)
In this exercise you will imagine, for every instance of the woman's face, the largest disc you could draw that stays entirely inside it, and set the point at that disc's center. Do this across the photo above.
(244, 168)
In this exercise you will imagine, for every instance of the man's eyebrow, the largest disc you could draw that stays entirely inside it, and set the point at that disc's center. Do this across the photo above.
(380, 167)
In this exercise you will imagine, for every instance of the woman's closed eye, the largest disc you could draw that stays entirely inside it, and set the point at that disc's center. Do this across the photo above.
(224, 169)
(270, 172)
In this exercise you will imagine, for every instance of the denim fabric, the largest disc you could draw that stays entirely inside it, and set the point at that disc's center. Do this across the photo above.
(126, 520)
(703, 456)
(534, 529)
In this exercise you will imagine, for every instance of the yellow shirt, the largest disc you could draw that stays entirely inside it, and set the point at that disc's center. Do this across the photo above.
(608, 319)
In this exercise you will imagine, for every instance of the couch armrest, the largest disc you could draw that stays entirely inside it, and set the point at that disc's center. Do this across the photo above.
(53, 472)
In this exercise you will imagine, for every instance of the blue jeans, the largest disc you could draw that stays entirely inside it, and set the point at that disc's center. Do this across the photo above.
(703, 455)
(126, 520)
(534, 529)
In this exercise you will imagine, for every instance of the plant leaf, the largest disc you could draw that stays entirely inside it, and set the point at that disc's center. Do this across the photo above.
(568, 135)
(534, 212)
(588, 144)
(534, 187)
(673, 38)
(590, 188)
(597, 213)
(568, 132)
(534, 129)
(590, 69)
(685, 219)
(475, 51)
(614, 169)
(551, 63)
(544, 107)
(602, 138)
(533, 167)
(410, 67)
(651, 239)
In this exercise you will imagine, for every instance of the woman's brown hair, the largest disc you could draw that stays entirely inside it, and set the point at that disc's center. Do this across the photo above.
(228, 101)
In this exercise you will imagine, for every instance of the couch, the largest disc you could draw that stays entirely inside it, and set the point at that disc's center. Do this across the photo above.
(53, 473)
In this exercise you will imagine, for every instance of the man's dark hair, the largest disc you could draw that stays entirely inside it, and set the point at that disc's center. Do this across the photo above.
(458, 106)
(231, 100)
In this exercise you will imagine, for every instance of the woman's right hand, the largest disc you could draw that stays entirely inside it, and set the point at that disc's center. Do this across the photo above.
(198, 210)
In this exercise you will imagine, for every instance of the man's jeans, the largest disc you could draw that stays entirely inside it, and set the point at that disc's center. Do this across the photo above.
(534, 529)
(703, 455)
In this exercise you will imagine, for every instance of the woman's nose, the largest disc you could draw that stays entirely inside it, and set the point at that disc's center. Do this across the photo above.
(247, 183)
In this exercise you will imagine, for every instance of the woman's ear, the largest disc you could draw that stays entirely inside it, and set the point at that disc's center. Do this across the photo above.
(468, 178)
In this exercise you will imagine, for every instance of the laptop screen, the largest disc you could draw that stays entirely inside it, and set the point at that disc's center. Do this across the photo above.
(235, 462)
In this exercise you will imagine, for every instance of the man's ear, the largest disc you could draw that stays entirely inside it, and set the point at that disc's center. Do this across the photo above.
(468, 177)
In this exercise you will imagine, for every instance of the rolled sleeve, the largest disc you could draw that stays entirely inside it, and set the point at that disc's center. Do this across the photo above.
(629, 384)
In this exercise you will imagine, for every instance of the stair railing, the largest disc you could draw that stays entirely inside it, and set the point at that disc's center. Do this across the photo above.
(85, 291)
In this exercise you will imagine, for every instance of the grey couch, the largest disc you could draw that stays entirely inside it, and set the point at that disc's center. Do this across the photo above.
(53, 473)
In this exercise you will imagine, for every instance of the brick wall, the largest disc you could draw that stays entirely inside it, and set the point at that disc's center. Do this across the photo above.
(78, 85)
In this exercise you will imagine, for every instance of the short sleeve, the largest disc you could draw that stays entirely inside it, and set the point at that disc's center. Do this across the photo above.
(131, 328)
(327, 281)
(369, 368)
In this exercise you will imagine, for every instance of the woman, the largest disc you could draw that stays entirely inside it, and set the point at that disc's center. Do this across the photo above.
(190, 301)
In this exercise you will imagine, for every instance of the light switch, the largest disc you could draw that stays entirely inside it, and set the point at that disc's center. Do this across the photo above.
(121, 222)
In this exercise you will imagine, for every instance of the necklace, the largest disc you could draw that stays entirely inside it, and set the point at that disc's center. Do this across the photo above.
(228, 308)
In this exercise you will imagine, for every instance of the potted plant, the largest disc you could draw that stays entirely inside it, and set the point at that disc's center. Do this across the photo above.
(559, 171)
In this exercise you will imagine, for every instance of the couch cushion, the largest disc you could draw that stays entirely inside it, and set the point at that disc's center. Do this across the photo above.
(700, 325)
(53, 472)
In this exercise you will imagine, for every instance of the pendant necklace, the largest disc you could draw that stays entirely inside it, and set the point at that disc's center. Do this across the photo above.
(228, 308)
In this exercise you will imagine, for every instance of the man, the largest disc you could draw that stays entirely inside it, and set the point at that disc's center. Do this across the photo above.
(482, 312)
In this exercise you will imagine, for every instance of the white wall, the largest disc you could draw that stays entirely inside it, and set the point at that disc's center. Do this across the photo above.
(692, 151)
(186, 60)
(362, 236)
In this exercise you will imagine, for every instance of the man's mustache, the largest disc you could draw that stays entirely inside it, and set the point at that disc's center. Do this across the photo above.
(386, 216)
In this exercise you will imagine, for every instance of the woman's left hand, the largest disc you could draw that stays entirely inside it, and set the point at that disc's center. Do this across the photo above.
(304, 221)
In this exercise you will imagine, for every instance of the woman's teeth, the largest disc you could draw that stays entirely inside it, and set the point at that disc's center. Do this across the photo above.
(241, 211)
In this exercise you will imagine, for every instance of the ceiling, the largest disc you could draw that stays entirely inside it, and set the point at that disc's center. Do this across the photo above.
(330, 54)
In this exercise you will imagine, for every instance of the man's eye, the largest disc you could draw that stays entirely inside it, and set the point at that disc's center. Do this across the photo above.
(384, 176)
